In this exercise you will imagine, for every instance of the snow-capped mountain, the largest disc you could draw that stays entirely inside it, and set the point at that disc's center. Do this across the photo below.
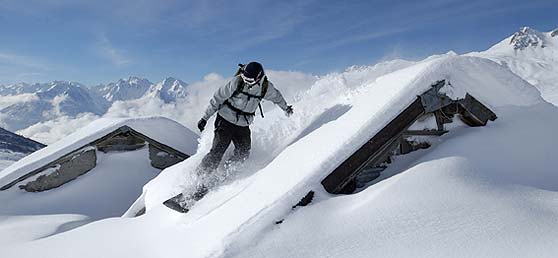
(22, 88)
(54, 99)
(533, 55)
(16, 143)
(13, 147)
(73, 98)
(169, 90)
(527, 37)
(124, 89)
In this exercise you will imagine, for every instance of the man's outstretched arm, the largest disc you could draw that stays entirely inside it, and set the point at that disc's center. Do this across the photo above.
(276, 97)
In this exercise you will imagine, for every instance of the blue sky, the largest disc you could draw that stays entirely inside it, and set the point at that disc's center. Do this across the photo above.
(100, 41)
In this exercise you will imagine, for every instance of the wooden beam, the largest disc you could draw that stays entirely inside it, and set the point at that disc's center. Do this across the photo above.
(474, 113)
(373, 149)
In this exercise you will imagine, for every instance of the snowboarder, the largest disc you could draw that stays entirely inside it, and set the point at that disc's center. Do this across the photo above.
(235, 104)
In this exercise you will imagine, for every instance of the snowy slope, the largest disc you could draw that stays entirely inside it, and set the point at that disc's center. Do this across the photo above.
(160, 129)
(274, 189)
(288, 163)
(533, 55)
(483, 192)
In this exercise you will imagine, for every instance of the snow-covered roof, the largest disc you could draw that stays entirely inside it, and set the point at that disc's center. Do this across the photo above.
(224, 216)
(160, 129)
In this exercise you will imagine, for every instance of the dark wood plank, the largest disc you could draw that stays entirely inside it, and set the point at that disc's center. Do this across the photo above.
(373, 149)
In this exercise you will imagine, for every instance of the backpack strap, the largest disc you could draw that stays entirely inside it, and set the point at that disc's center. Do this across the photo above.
(265, 85)
(239, 86)
(239, 90)
(237, 110)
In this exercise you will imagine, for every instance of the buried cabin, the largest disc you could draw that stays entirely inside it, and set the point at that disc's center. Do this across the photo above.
(159, 141)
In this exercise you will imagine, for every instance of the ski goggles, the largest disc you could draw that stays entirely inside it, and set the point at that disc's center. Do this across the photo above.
(250, 81)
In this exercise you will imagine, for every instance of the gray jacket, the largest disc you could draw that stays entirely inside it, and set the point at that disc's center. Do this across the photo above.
(241, 101)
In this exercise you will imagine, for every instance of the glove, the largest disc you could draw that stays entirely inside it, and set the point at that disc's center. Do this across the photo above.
(201, 124)
(289, 111)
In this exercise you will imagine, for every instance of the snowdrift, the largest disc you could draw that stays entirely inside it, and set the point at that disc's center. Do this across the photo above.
(480, 192)
(319, 138)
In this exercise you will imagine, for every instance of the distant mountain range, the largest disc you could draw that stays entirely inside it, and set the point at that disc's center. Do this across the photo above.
(64, 98)
(123, 89)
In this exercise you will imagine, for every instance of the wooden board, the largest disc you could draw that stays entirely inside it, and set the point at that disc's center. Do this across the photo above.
(373, 149)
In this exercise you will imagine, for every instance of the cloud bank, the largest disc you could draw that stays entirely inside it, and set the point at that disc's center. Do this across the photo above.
(186, 111)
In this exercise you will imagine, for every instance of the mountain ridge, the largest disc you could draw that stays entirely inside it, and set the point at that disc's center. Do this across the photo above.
(69, 98)
(17, 143)
(532, 55)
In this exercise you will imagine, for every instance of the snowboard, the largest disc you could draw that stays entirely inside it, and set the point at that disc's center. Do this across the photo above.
(182, 203)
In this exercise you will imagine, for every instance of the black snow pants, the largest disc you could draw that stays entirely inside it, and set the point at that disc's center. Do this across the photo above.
(225, 133)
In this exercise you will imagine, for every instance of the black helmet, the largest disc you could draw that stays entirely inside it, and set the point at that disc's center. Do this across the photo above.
(253, 72)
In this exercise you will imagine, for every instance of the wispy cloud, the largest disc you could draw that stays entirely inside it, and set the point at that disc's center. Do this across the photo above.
(241, 24)
(115, 55)
(360, 37)
(18, 68)
(10, 59)
(394, 19)
(283, 20)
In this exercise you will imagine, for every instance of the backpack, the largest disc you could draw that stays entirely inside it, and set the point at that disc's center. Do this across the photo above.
(239, 90)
